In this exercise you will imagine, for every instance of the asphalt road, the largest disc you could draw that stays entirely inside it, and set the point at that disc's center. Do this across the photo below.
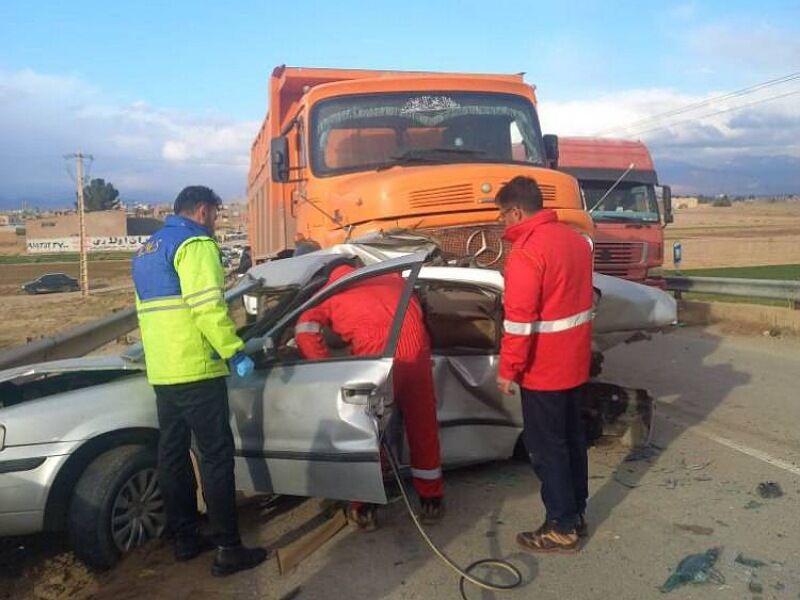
(727, 419)
(727, 416)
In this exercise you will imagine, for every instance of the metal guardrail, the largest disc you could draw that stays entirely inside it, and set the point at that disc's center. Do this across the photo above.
(730, 286)
(92, 335)
(76, 342)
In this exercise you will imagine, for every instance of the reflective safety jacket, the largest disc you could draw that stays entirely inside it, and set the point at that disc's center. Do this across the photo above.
(547, 332)
(183, 316)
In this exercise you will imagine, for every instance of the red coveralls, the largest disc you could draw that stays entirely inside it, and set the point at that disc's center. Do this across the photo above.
(362, 316)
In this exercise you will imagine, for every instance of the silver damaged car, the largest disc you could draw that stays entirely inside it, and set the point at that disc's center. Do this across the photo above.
(78, 437)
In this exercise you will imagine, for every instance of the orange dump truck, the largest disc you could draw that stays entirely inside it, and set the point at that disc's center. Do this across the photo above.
(343, 153)
(619, 184)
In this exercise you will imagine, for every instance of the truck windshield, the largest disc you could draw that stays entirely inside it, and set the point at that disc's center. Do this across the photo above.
(360, 133)
(629, 201)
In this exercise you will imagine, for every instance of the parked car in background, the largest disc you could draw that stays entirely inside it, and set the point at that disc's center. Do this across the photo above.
(51, 283)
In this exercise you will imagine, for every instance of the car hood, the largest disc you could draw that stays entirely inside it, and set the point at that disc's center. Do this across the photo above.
(84, 363)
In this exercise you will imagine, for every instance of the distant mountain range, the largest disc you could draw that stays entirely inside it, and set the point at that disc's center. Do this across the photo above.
(743, 176)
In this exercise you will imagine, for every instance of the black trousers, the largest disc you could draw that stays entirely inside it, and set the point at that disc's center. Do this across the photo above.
(201, 408)
(556, 443)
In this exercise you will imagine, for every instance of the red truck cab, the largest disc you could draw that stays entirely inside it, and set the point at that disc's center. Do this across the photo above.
(620, 185)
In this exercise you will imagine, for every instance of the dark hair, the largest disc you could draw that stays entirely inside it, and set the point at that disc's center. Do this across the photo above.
(193, 196)
(521, 192)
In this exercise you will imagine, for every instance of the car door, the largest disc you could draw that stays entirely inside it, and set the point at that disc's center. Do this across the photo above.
(313, 428)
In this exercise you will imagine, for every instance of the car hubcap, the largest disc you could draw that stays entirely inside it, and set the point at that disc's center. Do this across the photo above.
(138, 511)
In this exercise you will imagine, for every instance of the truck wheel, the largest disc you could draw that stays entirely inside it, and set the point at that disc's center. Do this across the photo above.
(116, 506)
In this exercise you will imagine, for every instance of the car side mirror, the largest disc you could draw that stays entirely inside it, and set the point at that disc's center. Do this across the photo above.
(551, 150)
(666, 199)
(279, 159)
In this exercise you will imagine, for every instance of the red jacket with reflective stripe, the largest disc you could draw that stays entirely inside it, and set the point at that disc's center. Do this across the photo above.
(548, 302)
(362, 315)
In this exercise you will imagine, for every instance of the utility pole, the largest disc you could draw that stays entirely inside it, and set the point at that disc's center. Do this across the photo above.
(84, 265)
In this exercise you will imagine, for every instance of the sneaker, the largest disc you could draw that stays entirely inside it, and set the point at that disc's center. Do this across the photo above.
(189, 547)
(364, 515)
(582, 529)
(547, 539)
(431, 510)
(230, 560)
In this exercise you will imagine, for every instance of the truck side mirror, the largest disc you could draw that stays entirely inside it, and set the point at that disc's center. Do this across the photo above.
(279, 159)
(666, 198)
(551, 150)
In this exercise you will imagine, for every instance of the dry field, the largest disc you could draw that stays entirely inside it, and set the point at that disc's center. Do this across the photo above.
(27, 318)
(741, 235)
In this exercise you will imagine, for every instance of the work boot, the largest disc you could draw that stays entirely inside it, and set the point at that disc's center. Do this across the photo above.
(431, 510)
(190, 546)
(232, 559)
(364, 515)
(547, 539)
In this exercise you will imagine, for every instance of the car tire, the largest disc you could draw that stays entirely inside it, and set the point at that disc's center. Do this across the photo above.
(116, 506)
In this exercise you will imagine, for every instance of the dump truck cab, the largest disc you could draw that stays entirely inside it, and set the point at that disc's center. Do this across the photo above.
(346, 153)
(620, 187)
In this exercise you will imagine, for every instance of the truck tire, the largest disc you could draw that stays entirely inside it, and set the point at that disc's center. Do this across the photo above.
(116, 506)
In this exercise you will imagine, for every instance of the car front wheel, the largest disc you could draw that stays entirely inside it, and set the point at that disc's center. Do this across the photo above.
(116, 506)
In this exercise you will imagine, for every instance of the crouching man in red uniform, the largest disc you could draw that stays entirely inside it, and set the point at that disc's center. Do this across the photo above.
(362, 316)
(546, 349)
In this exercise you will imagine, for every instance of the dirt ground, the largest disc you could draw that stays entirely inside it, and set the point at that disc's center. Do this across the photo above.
(740, 235)
(32, 317)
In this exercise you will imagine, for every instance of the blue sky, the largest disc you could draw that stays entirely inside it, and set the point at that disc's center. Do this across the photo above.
(124, 80)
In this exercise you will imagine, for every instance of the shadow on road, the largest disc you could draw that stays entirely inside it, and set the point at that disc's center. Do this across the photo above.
(663, 366)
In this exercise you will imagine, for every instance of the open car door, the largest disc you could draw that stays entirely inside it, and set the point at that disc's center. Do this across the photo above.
(313, 427)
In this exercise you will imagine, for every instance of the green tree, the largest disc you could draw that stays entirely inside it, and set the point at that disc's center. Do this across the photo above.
(100, 195)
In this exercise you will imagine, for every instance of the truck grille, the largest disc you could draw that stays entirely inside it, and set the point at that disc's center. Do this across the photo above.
(481, 245)
(441, 196)
(548, 192)
(619, 254)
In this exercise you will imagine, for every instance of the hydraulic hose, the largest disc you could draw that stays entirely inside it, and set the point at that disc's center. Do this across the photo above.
(464, 573)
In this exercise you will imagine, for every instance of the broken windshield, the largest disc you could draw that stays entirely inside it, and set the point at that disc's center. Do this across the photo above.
(628, 201)
(359, 133)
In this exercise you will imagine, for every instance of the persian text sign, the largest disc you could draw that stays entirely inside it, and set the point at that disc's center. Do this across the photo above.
(126, 243)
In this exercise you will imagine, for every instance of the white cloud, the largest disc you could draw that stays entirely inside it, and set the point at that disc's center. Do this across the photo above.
(723, 143)
(148, 152)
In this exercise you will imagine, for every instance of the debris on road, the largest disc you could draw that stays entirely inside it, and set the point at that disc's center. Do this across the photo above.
(695, 529)
(695, 568)
(695, 466)
(749, 562)
(755, 587)
(753, 505)
(769, 489)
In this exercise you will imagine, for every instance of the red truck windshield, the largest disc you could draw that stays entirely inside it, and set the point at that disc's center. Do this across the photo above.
(628, 201)
(359, 133)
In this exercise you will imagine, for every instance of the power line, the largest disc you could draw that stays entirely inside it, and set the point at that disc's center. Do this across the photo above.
(719, 112)
(710, 101)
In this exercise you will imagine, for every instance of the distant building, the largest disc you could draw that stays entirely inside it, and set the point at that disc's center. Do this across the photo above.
(682, 202)
(106, 231)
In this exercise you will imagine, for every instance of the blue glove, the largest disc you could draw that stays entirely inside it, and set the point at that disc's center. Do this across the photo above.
(242, 364)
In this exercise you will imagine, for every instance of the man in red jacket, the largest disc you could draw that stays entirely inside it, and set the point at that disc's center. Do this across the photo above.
(546, 350)
(362, 315)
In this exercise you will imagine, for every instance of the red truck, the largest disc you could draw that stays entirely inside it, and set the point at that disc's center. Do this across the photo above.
(620, 185)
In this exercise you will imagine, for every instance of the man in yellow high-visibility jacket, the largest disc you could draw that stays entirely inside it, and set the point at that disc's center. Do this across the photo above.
(188, 338)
